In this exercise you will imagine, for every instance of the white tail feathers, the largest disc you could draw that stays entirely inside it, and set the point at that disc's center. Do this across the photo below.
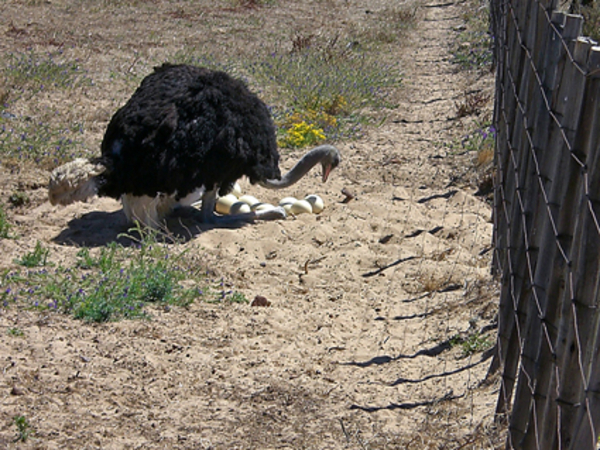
(74, 181)
(149, 211)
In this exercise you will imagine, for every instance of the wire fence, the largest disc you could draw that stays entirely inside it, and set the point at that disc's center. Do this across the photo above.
(547, 226)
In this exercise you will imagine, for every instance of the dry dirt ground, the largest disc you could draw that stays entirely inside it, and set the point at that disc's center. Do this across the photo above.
(354, 351)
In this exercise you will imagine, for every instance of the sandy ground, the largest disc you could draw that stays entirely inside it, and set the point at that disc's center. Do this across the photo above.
(354, 350)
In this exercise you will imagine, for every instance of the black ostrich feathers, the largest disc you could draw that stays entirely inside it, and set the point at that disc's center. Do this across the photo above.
(187, 127)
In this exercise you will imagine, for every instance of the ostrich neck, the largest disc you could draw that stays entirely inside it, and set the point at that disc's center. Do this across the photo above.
(301, 168)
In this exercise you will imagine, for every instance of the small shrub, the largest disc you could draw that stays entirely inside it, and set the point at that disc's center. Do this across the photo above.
(317, 92)
(591, 23)
(218, 292)
(590, 11)
(112, 288)
(19, 199)
(238, 297)
(323, 92)
(472, 104)
(473, 343)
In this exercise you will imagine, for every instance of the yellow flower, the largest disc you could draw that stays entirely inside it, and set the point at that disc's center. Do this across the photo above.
(301, 134)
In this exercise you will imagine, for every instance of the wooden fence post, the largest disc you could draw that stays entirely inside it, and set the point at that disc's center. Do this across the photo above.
(547, 225)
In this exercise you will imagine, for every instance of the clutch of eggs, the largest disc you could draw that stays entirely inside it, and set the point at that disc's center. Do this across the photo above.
(236, 203)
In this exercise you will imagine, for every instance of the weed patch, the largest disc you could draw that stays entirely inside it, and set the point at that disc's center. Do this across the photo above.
(591, 17)
(116, 282)
(473, 343)
(36, 72)
(38, 257)
(38, 136)
(317, 93)
(25, 139)
(473, 46)
(16, 332)
(480, 140)
(5, 225)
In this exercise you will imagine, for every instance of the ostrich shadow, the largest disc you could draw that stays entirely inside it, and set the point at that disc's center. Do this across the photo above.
(99, 228)
(95, 229)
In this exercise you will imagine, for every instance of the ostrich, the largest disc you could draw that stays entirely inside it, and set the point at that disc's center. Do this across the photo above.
(187, 133)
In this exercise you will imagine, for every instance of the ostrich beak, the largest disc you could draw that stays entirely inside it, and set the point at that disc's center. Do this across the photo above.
(326, 172)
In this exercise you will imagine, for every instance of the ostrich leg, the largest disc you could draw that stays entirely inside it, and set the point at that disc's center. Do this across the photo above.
(207, 213)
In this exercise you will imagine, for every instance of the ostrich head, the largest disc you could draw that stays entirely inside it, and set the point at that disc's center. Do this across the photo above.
(327, 155)
(329, 160)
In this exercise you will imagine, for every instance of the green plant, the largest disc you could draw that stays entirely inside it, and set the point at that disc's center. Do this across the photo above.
(217, 292)
(473, 343)
(19, 198)
(14, 331)
(237, 297)
(38, 257)
(115, 281)
(24, 429)
(481, 139)
(114, 288)
(591, 24)
(5, 225)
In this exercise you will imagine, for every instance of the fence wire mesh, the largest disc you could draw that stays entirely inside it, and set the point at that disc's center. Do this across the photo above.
(546, 226)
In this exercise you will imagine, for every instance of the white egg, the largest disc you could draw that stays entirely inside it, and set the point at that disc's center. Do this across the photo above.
(239, 208)
(301, 207)
(287, 201)
(237, 190)
(316, 202)
(248, 199)
(224, 203)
